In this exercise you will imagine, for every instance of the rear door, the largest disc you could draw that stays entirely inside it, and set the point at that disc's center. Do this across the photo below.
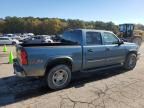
(114, 53)
(94, 51)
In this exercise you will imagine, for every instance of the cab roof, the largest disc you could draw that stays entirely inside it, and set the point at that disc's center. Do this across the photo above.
(94, 30)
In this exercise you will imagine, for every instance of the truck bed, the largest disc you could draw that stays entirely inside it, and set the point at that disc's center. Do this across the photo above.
(48, 44)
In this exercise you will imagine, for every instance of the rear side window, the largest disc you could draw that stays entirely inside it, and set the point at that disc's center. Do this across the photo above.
(93, 38)
(74, 36)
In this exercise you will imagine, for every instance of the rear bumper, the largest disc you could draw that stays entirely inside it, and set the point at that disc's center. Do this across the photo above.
(18, 70)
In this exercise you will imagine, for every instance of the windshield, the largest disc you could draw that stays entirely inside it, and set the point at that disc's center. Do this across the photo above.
(128, 27)
(122, 28)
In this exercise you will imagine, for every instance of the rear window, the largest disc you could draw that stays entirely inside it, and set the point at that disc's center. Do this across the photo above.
(74, 36)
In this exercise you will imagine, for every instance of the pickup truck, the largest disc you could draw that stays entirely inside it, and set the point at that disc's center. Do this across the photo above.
(80, 50)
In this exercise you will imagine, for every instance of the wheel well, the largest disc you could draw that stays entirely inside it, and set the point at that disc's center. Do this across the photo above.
(58, 62)
(132, 52)
(13, 42)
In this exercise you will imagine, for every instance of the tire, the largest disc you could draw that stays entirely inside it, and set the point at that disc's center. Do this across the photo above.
(58, 77)
(137, 41)
(130, 61)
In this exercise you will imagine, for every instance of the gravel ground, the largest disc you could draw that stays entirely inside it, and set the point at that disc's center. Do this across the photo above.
(112, 89)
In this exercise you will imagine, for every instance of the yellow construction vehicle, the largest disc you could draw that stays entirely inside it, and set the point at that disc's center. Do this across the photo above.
(128, 33)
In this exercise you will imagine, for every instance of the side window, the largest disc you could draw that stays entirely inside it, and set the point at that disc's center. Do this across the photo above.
(93, 38)
(109, 38)
(72, 36)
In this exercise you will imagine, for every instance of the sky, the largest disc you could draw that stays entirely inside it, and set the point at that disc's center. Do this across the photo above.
(117, 11)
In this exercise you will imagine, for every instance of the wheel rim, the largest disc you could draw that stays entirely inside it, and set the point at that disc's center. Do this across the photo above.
(132, 62)
(60, 77)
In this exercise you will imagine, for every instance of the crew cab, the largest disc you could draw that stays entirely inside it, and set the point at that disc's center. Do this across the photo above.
(80, 50)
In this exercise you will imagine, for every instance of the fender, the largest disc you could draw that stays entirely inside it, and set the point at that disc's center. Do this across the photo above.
(54, 59)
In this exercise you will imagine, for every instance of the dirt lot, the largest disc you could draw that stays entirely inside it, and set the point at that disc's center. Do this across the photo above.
(112, 89)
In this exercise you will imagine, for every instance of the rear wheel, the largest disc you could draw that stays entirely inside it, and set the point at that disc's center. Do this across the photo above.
(58, 77)
(130, 61)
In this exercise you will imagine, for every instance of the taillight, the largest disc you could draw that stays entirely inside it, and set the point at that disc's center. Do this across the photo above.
(24, 59)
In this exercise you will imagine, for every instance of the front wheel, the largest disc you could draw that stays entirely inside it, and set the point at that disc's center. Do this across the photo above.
(58, 77)
(130, 61)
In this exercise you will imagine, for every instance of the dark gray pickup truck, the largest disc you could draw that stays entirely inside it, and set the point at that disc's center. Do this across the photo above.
(80, 50)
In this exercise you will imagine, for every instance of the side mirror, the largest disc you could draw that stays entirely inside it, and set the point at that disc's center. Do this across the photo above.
(119, 42)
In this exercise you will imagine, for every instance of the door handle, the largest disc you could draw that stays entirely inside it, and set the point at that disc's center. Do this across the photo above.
(107, 49)
(90, 50)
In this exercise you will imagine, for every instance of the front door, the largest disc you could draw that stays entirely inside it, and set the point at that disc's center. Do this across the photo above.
(115, 53)
(94, 51)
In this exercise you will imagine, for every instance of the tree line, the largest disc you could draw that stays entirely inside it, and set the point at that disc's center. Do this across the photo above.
(51, 26)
